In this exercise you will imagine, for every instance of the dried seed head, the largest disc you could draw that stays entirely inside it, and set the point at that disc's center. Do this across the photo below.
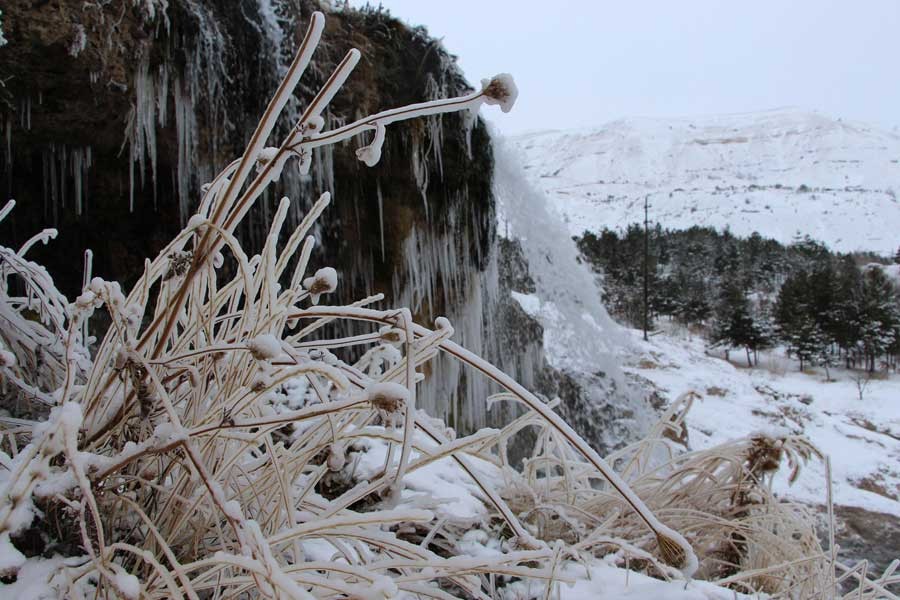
(671, 552)
(315, 124)
(134, 314)
(266, 155)
(264, 347)
(443, 323)
(323, 282)
(391, 335)
(197, 223)
(123, 357)
(764, 455)
(500, 90)
(7, 359)
(260, 382)
(388, 397)
(179, 263)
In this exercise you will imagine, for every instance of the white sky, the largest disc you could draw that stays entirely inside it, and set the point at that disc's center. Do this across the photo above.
(583, 63)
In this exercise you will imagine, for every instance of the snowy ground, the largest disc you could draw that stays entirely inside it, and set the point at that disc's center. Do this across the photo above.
(862, 437)
(446, 489)
(602, 581)
(443, 487)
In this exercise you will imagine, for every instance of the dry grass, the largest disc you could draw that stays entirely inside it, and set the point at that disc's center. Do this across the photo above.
(181, 471)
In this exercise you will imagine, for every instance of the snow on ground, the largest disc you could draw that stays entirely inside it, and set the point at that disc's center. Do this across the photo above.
(441, 486)
(862, 437)
(782, 173)
(607, 582)
(604, 581)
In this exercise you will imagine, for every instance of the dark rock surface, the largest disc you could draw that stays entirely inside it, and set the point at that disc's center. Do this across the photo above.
(109, 139)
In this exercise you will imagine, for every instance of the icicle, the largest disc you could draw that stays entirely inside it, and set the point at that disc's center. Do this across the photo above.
(63, 162)
(8, 147)
(141, 131)
(79, 41)
(273, 33)
(162, 94)
(469, 118)
(82, 159)
(54, 188)
(420, 171)
(45, 171)
(185, 129)
(87, 274)
(380, 218)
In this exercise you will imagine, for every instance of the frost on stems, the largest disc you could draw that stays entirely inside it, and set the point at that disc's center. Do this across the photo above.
(216, 447)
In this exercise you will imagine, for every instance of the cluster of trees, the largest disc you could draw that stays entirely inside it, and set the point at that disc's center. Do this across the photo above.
(839, 312)
(753, 293)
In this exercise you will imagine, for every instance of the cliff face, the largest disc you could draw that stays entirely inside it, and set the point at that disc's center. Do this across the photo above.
(115, 114)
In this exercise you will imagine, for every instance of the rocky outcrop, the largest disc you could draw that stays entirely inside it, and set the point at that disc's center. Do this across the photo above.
(116, 113)
(591, 403)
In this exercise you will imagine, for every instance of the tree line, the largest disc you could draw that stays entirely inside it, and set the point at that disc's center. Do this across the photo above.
(754, 293)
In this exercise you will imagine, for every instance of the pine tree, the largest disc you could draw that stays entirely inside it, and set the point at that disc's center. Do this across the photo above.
(734, 326)
(762, 332)
(795, 315)
(848, 291)
(806, 340)
(791, 304)
(878, 316)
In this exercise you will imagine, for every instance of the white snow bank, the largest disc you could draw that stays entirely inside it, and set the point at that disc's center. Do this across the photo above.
(861, 437)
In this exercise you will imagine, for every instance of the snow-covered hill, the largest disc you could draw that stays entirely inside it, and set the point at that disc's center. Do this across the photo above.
(783, 172)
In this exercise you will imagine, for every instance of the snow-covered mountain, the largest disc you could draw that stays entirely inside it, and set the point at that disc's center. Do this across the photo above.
(782, 173)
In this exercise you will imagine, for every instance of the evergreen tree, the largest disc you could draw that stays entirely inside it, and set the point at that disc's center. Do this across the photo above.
(806, 340)
(796, 318)
(762, 332)
(848, 291)
(879, 320)
(790, 306)
(734, 325)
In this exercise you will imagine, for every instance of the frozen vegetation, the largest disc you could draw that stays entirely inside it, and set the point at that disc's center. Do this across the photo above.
(219, 443)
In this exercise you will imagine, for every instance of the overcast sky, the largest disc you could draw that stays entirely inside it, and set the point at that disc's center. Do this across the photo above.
(583, 63)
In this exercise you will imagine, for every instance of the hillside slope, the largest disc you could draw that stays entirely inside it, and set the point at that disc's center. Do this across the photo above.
(861, 436)
(783, 173)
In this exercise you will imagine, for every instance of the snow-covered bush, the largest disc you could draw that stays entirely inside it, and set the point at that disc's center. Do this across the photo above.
(220, 445)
